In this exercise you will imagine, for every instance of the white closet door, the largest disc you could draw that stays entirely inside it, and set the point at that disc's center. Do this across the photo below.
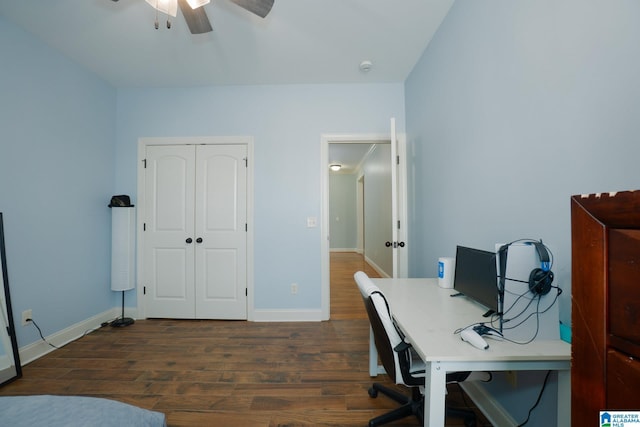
(169, 224)
(221, 236)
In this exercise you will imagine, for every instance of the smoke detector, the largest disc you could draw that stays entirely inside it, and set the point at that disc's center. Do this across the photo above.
(365, 66)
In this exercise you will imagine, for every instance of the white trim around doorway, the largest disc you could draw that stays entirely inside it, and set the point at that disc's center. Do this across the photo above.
(325, 140)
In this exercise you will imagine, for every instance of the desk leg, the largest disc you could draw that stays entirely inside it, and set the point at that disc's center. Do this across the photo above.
(373, 355)
(564, 397)
(435, 391)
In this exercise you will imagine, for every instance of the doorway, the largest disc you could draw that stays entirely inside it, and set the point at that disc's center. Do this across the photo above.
(360, 183)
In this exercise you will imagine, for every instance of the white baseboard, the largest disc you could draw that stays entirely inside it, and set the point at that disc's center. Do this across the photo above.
(369, 261)
(294, 315)
(495, 413)
(35, 350)
(379, 270)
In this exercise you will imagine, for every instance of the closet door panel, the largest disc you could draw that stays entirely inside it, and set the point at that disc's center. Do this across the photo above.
(169, 223)
(221, 206)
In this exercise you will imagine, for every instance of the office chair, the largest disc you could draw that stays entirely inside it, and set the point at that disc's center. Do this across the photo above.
(400, 361)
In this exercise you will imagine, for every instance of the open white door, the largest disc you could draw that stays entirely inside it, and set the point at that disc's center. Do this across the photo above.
(397, 243)
(399, 220)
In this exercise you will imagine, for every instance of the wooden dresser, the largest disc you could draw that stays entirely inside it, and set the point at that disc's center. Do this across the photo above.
(605, 269)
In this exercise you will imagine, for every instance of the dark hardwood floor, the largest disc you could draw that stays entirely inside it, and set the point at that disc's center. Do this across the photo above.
(230, 373)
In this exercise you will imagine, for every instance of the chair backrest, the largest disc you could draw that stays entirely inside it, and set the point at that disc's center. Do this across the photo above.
(365, 284)
(385, 334)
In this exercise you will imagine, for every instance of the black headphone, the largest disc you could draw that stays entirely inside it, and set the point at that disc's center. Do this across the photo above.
(540, 279)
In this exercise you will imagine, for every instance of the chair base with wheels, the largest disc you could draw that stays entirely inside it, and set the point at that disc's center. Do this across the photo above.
(413, 405)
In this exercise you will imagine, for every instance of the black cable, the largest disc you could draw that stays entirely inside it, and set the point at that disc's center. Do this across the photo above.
(102, 325)
(500, 316)
(544, 385)
(523, 310)
(537, 314)
(87, 332)
(40, 332)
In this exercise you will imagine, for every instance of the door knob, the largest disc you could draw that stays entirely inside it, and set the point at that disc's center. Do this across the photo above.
(199, 240)
(189, 240)
(395, 244)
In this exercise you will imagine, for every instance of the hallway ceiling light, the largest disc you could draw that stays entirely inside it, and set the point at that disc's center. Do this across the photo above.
(335, 167)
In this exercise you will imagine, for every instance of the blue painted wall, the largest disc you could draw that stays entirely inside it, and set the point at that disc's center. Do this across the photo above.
(70, 142)
(513, 108)
(57, 162)
(286, 123)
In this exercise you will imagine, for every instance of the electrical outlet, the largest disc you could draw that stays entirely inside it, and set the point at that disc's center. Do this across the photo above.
(294, 288)
(26, 315)
(512, 378)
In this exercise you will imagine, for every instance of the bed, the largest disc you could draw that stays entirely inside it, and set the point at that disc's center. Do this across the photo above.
(74, 411)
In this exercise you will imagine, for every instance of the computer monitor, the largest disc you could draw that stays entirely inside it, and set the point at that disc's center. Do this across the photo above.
(475, 276)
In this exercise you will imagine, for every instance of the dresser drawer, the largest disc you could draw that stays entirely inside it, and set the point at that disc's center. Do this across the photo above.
(623, 381)
(624, 284)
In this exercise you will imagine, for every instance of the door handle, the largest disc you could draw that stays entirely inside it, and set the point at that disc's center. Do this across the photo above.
(395, 244)
(189, 240)
(199, 240)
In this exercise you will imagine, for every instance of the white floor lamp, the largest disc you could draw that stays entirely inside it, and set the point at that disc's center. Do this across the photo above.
(122, 254)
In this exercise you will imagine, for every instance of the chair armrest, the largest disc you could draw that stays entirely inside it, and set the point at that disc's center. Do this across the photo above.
(403, 346)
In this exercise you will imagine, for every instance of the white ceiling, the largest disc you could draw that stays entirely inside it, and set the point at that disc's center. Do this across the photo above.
(299, 42)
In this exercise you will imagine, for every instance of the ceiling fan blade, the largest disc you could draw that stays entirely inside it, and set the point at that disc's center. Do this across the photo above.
(197, 19)
(258, 7)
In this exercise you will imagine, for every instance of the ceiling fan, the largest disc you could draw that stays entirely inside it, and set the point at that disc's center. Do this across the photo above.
(195, 15)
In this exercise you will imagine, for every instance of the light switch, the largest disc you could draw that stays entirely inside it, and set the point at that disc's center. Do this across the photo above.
(312, 222)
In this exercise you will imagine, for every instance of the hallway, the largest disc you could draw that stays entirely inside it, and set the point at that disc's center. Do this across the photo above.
(346, 302)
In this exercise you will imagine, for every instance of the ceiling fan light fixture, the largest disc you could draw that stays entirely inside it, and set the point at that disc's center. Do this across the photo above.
(335, 167)
(168, 7)
(197, 3)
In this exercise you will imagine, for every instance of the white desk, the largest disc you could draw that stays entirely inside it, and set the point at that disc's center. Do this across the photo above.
(428, 316)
